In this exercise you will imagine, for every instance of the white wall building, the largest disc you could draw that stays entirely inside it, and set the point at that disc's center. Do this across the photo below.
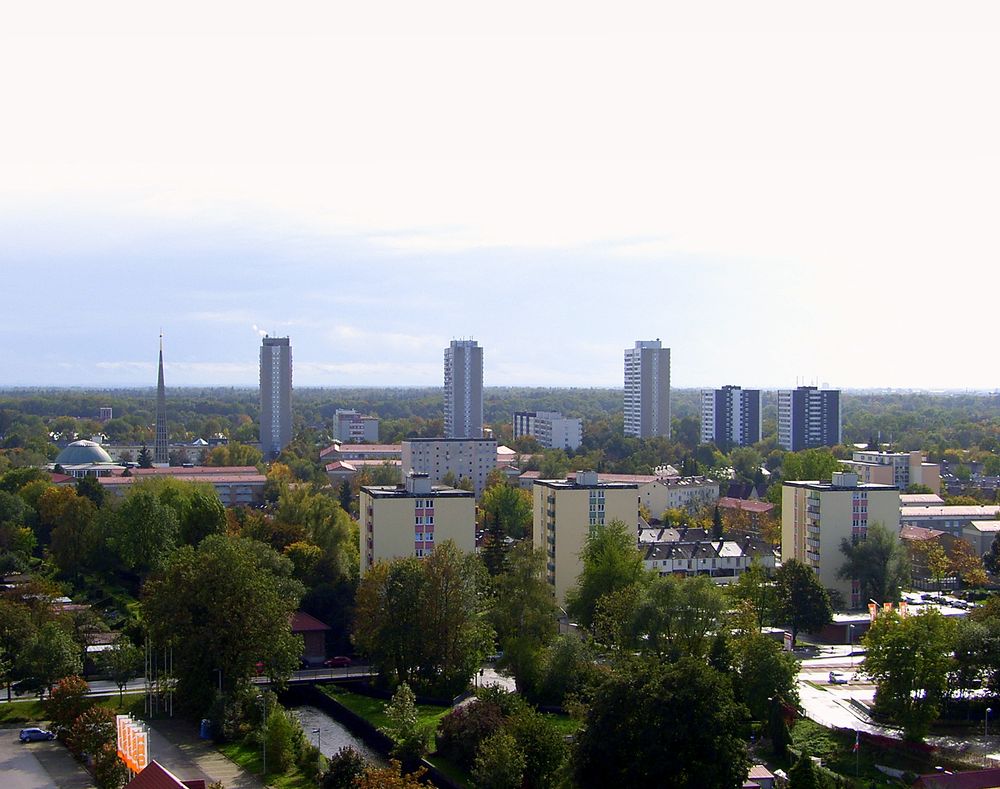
(550, 428)
(352, 427)
(472, 458)
(463, 390)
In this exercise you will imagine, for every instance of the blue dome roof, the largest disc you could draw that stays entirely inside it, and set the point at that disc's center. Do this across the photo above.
(82, 452)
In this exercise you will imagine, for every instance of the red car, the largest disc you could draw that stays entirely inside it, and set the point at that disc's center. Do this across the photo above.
(337, 662)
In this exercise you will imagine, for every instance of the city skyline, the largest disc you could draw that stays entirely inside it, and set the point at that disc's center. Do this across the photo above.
(722, 177)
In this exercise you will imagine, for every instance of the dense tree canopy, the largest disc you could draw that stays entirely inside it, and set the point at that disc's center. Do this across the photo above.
(877, 562)
(800, 598)
(611, 561)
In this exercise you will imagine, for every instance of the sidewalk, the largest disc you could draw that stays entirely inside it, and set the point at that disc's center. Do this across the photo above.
(175, 744)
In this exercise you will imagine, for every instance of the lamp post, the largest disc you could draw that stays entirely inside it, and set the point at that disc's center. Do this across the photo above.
(986, 722)
(319, 739)
(850, 643)
(262, 700)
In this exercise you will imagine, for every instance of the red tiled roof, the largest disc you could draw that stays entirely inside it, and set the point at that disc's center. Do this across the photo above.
(762, 507)
(303, 623)
(918, 533)
(176, 471)
(383, 448)
(156, 776)
(61, 479)
(972, 779)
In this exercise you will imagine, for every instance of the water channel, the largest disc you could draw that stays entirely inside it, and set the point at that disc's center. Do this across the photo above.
(332, 736)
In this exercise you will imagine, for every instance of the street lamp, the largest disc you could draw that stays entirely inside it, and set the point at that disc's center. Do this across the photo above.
(850, 642)
(262, 700)
(319, 739)
(986, 722)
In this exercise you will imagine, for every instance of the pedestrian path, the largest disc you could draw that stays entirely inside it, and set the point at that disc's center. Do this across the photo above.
(175, 744)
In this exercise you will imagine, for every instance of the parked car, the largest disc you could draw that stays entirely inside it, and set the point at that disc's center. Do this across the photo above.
(340, 661)
(34, 735)
(837, 678)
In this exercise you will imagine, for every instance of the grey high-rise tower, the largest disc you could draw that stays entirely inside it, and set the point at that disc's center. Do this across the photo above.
(275, 396)
(808, 417)
(463, 390)
(647, 390)
(161, 450)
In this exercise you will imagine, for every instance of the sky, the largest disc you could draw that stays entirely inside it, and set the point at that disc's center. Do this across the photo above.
(782, 192)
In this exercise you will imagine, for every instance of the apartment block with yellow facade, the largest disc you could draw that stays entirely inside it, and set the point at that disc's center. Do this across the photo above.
(901, 469)
(566, 512)
(817, 516)
(410, 519)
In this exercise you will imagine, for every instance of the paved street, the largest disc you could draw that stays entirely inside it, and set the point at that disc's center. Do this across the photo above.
(38, 765)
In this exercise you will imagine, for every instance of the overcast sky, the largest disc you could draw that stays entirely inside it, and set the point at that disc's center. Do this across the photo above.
(779, 191)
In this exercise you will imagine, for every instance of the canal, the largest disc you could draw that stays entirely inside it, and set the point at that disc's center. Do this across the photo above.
(332, 736)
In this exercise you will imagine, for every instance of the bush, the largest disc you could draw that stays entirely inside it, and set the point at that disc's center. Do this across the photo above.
(499, 763)
(280, 740)
(109, 771)
(461, 731)
(309, 760)
(91, 731)
(343, 770)
(541, 744)
(67, 702)
(411, 738)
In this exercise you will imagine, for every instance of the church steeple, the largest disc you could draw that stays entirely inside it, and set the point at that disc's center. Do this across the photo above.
(161, 452)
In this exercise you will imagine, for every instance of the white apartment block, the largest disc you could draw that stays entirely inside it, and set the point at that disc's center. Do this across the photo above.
(901, 469)
(351, 427)
(472, 458)
(410, 519)
(564, 515)
(647, 390)
(817, 516)
(550, 428)
(463, 389)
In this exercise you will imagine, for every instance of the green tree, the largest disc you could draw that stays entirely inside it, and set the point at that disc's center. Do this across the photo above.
(410, 737)
(17, 630)
(877, 562)
(611, 561)
(764, 671)
(991, 559)
(145, 531)
(815, 464)
(697, 722)
(67, 701)
(524, 613)
(122, 663)
(800, 598)
(145, 459)
(755, 587)
(909, 658)
(678, 616)
(223, 605)
(499, 763)
(803, 774)
(509, 508)
(91, 488)
(280, 736)
(51, 655)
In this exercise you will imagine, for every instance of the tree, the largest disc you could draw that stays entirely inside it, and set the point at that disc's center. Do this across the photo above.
(499, 763)
(121, 663)
(223, 605)
(17, 630)
(755, 587)
(391, 777)
(91, 488)
(345, 496)
(280, 736)
(145, 459)
(909, 658)
(410, 737)
(932, 558)
(145, 531)
(676, 616)
(611, 561)
(509, 508)
(51, 655)
(991, 559)
(344, 769)
(966, 564)
(764, 671)
(815, 464)
(462, 730)
(67, 701)
(524, 614)
(801, 599)
(698, 726)
(777, 728)
(877, 562)
(716, 523)
(91, 730)
(803, 774)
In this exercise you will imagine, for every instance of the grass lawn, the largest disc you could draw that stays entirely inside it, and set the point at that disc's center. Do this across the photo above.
(564, 724)
(835, 748)
(373, 710)
(249, 758)
(33, 710)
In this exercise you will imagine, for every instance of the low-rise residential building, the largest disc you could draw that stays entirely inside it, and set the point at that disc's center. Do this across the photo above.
(920, 500)
(566, 512)
(981, 534)
(817, 516)
(670, 551)
(411, 518)
(948, 519)
(657, 493)
(550, 428)
(901, 469)
(236, 486)
(913, 539)
(462, 458)
(341, 451)
(352, 427)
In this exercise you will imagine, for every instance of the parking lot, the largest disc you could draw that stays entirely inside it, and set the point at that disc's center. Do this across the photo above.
(38, 765)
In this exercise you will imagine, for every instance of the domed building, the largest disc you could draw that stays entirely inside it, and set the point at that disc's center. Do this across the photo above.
(86, 459)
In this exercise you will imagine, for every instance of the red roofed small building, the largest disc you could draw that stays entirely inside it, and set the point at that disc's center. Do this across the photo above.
(313, 633)
(972, 779)
(156, 776)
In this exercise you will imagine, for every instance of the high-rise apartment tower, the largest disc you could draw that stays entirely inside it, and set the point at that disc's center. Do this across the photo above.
(808, 417)
(463, 390)
(730, 416)
(647, 390)
(275, 396)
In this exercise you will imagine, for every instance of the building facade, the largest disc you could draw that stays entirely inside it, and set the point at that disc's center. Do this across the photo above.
(550, 428)
(901, 469)
(410, 519)
(808, 417)
(816, 516)
(693, 552)
(565, 513)
(730, 416)
(647, 390)
(949, 519)
(353, 428)
(275, 396)
(463, 390)
(468, 458)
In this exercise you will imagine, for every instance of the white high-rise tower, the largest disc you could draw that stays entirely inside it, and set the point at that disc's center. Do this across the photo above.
(463, 390)
(647, 390)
